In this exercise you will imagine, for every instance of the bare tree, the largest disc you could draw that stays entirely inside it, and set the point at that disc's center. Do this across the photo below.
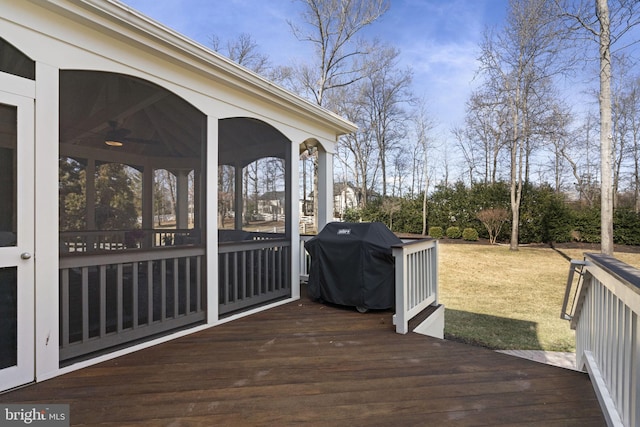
(484, 136)
(577, 151)
(332, 27)
(606, 27)
(357, 152)
(423, 126)
(557, 133)
(606, 198)
(517, 62)
(244, 51)
(390, 206)
(635, 138)
(385, 92)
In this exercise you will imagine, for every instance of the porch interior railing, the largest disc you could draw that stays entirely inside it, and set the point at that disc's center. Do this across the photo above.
(603, 305)
(111, 240)
(253, 272)
(110, 299)
(118, 287)
(416, 282)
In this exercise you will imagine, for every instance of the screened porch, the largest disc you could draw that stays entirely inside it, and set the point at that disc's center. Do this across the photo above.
(132, 220)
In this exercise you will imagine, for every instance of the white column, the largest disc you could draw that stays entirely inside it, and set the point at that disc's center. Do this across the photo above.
(325, 188)
(211, 220)
(46, 222)
(292, 213)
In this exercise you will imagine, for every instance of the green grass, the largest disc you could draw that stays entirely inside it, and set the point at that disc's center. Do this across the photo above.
(501, 299)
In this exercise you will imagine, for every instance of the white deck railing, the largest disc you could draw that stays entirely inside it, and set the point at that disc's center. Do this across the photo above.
(416, 266)
(416, 280)
(604, 313)
(305, 259)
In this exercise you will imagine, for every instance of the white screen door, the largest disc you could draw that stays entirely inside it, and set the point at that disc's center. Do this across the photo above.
(16, 240)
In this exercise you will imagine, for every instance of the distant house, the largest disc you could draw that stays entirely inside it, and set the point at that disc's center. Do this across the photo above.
(271, 205)
(88, 85)
(345, 196)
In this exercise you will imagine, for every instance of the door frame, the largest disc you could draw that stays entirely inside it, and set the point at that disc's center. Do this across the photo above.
(16, 92)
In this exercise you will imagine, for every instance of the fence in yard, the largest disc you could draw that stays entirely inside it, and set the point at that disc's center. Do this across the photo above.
(603, 304)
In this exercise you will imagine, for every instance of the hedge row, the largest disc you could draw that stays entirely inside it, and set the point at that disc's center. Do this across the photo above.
(545, 216)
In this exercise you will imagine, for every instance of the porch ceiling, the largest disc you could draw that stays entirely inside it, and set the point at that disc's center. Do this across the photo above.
(244, 140)
(148, 120)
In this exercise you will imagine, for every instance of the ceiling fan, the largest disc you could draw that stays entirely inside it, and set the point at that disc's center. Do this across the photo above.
(117, 136)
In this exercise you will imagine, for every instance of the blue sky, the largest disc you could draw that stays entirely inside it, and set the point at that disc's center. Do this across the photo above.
(437, 39)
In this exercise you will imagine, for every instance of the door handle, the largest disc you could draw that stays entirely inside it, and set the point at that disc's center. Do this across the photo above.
(25, 255)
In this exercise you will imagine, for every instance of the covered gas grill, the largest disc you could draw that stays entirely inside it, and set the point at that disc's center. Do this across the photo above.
(352, 265)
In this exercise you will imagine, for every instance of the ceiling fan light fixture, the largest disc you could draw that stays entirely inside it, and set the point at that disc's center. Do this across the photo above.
(113, 139)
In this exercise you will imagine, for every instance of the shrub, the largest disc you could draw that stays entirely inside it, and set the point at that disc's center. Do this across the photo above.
(470, 234)
(587, 224)
(493, 219)
(436, 232)
(544, 216)
(626, 227)
(454, 232)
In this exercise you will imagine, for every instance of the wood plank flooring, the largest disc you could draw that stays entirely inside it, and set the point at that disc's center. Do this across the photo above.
(313, 364)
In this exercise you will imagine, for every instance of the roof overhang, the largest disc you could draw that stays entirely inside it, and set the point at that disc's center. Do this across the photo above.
(122, 22)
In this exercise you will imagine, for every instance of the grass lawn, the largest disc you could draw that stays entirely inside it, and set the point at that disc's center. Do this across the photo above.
(508, 300)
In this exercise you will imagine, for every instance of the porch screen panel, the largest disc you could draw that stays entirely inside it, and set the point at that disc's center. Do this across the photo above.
(12, 61)
(8, 211)
(8, 317)
(132, 196)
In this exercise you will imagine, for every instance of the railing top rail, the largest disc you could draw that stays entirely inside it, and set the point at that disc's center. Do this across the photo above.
(419, 243)
(625, 273)
(155, 230)
(247, 245)
(87, 259)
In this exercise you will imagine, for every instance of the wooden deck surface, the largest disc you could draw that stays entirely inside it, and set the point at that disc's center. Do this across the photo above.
(313, 364)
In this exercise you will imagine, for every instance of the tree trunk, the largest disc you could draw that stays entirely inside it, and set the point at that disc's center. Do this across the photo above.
(606, 207)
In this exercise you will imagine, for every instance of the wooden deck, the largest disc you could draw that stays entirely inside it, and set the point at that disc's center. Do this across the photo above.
(320, 365)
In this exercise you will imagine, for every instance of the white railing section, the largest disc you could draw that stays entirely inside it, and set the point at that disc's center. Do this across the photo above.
(305, 259)
(416, 277)
(605, 317)
(416, 280)
(109, 299)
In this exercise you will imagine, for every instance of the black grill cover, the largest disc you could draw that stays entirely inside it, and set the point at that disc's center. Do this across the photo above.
(351, 264)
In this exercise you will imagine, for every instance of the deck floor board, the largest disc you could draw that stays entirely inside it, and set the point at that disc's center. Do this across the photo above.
(316, 364)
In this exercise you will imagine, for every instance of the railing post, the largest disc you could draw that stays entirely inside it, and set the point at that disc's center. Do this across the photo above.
(416, 284)
(400, 318)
